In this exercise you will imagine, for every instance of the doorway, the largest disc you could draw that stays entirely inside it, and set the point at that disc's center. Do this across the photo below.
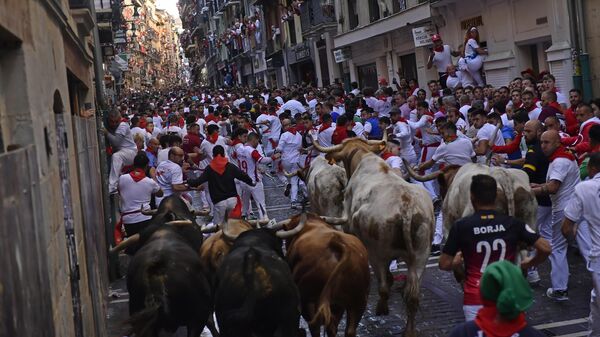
(367, 75)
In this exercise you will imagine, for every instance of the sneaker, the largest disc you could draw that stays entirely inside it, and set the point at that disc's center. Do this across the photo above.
(295, 205)
(557, 295)
(435, 250)
(288, 187)
(533, 277)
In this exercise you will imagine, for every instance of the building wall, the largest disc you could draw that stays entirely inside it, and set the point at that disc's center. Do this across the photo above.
(591, 10)
(30, 75)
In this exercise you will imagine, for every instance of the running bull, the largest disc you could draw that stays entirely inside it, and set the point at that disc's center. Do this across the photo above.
(331, 270)
(325, 183)
(255, 293)
(514, 193)
(167, 285)
(393, 218)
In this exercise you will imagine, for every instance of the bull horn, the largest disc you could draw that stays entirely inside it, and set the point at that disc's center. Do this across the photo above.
(209, 229)
(261, 223)
(289, 175)
(292, 232)
(334, 221)
(329, 149)
(180, 223)
(375, 142)
(278, 225)
(225, 232)
(125, 243)
(418, 177)
(148, 211)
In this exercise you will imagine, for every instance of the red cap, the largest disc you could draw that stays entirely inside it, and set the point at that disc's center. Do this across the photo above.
(435, 37)
(383, 81)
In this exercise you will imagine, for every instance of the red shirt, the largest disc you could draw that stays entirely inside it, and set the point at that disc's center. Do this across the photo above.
(339, 134)
(572, 125)
(190, 141)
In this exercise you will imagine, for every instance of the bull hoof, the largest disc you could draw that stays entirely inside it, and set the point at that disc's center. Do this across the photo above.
(382, 309)
(409, 334)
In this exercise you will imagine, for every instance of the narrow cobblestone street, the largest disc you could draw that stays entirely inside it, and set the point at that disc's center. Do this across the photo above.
(441, 296)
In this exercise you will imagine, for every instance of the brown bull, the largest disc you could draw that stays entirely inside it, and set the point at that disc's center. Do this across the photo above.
(393, 218)
(331, 270)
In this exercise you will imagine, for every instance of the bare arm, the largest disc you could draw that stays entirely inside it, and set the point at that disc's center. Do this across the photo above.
(543, 250)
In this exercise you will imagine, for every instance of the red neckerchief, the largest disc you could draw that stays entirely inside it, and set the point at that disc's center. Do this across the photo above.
(439, 49)
(491, 327)
(324, 126)
(218, 164)
(235, 142)
(154, 153)
(385, 155)
(402, 119)
(561, 152)
(533, 107)
(213, 139)
(209, 117)
(339, 134)
(292, 130)
(137, 174)
(556, 106)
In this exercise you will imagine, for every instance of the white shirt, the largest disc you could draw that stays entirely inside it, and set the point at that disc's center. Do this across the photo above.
(324, 137)
(162, 155)
(534, 114)
(175, 129)
(249, 158)
(168, 174)
(453, 82)
(374, 103)
(585, 205)
(458, 152)
(470, 47)
(122, 138)
(206, 149)
(441, 60)
(279, 100)
(464, 110)
(290, 145)
(487, 133)
(275, 127)
(403, 133)
(355, 92)
(461, 124)
(567, 172)
(395, 162)
(312, 105)
(358, 129)
(137, 130)
(157, 120)
(294, 106)
(134, 197)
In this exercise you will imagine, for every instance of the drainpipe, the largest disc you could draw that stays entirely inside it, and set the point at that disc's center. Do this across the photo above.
(584, 57)
(575, 51)
(100, 116)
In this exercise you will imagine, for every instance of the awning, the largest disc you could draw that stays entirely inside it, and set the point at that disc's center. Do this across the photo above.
(385, 25)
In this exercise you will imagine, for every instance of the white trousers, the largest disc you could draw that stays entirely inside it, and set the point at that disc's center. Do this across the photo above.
(431, 186)
(438, 234)
(474, 66)
(594, 325)
(584, 238)
(294, 181)
(222, 208)
(258, 194)
(471, 311)
(543, 219)
(558, 258)
(119, 159)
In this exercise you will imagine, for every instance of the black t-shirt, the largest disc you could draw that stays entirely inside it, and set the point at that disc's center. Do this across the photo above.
(536, 167)
(483, 238)
(470, 329)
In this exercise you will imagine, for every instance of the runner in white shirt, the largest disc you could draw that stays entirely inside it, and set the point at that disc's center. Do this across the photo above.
(486, 134)
(585, 206)
(124, 148)
(135, 128)
(403, 133)
(453, 116)
(172, 140)
(562, 177)
(290, 145)
(136, 190)
(533, 111)
(249, 158)
(441, 57)
(325, 131)
(454, 150)
(293, 105)
(169, 174)
(391, 156)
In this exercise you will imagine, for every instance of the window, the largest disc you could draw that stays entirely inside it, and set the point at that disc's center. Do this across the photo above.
(373, 10)
(352, 14)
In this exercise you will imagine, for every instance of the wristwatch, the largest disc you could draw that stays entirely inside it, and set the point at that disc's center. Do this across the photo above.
(505, 161)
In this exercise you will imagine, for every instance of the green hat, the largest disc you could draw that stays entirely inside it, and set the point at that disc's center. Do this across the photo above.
(503, 283)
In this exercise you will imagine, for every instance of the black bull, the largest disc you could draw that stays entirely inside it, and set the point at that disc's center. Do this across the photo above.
(165, 280)
(255, 292)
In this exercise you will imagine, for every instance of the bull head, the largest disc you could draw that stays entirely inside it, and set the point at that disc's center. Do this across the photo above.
(286, 234)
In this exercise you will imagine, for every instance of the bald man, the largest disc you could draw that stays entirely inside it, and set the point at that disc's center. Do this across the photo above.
(562, 176)
(169, 174)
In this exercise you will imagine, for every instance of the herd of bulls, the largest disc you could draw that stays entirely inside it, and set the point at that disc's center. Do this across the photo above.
(242, 274)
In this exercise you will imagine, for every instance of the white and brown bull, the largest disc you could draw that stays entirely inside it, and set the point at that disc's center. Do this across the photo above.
(514, 196)
(325, 183)
(393, 218)
(331, 270)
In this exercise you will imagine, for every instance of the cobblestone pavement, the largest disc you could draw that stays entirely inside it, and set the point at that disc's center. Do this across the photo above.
(441, 297)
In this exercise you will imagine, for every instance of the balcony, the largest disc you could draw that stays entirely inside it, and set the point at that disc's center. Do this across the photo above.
(390, 23)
